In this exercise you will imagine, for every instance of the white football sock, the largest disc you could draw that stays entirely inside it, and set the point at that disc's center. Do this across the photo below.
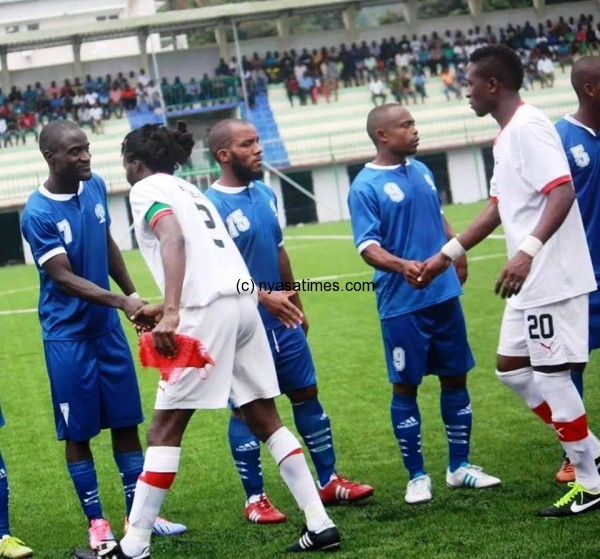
(160, 465)
(568, 416)
(284, 448)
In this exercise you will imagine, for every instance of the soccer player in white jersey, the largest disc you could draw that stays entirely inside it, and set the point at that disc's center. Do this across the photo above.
(580, 135)
(197, 267)
(549, 273)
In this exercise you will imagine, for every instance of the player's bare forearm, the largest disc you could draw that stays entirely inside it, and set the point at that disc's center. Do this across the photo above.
(172, 252)
(481, 226)
(59, 269)
(117, 269)
(287, 275)
(381, 259)
(559, 202)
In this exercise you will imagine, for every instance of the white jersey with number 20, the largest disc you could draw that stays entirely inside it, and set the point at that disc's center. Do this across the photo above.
(529, 162)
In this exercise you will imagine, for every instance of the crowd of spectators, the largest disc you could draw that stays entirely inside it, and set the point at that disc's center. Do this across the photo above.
(403, 66)
(90, 102)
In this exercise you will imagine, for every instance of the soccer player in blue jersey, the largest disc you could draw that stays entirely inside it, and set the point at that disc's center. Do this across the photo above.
(397, 223)
(580, 136)
(10, 546)
(90, 367)
(249, 209)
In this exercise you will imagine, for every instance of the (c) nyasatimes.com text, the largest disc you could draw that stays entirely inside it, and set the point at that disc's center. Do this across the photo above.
(305, 285)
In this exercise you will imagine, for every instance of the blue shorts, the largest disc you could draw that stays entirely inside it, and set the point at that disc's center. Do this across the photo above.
(2, 422)
(293, 361)
(93, 384)
(428, 341)
(594, 317)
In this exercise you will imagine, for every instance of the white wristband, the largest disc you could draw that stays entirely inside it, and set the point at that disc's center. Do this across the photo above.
(135, 295)
(531, 245)
(453, 249)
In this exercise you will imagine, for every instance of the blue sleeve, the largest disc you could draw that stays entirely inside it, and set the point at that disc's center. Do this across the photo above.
(44, 237)
(364, 215)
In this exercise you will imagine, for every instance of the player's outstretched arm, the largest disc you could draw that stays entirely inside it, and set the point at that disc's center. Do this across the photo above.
(59, 269)
(460, 264)
(172, 252)
(117, 269)
(515, 272)
(379, 258)
(479, 229)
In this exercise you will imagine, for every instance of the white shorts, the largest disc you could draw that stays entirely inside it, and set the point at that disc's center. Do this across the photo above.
(554, 334)
(233, 333)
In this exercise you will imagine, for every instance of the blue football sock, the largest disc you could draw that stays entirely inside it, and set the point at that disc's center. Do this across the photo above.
(4, 495)
(130, 466)
(455, 404)
(84, 478)
(315, 429)
(577, 378)
(406, 421)
(245, 449)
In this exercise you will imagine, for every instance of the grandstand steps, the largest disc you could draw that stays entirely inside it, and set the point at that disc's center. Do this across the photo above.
(26, 159)
(263, 119)
(335, 131)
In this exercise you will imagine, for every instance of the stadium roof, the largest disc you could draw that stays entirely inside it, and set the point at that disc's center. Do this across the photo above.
(176, 21)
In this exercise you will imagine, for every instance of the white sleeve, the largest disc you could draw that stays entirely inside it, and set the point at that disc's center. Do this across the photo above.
(144, 195)
(544, 164)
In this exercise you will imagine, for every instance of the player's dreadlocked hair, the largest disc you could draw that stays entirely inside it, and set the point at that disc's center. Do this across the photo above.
(161, 149)
(500, 62)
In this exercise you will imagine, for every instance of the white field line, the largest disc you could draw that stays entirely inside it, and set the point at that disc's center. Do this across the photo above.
(319, 278)
(300, 237)
(349, 237)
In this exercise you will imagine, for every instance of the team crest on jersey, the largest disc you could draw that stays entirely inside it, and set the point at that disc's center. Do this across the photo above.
(429, 180)
(393, 191)
(100, 213)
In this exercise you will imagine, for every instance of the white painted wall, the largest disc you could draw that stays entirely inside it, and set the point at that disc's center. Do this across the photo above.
(467, 175)
(330, 186)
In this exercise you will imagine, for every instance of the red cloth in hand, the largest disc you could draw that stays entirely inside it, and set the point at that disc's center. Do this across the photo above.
(191, 353)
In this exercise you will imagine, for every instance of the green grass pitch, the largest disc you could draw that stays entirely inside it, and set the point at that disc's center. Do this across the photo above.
(344, 335)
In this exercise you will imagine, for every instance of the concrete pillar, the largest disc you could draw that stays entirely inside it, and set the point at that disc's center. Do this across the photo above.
(143, 47)
(77, 68)
(5, 78)
(410, 11)
(221, 38)
(475, 8)
(283, 31)
(540, 8)
(349, 19)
